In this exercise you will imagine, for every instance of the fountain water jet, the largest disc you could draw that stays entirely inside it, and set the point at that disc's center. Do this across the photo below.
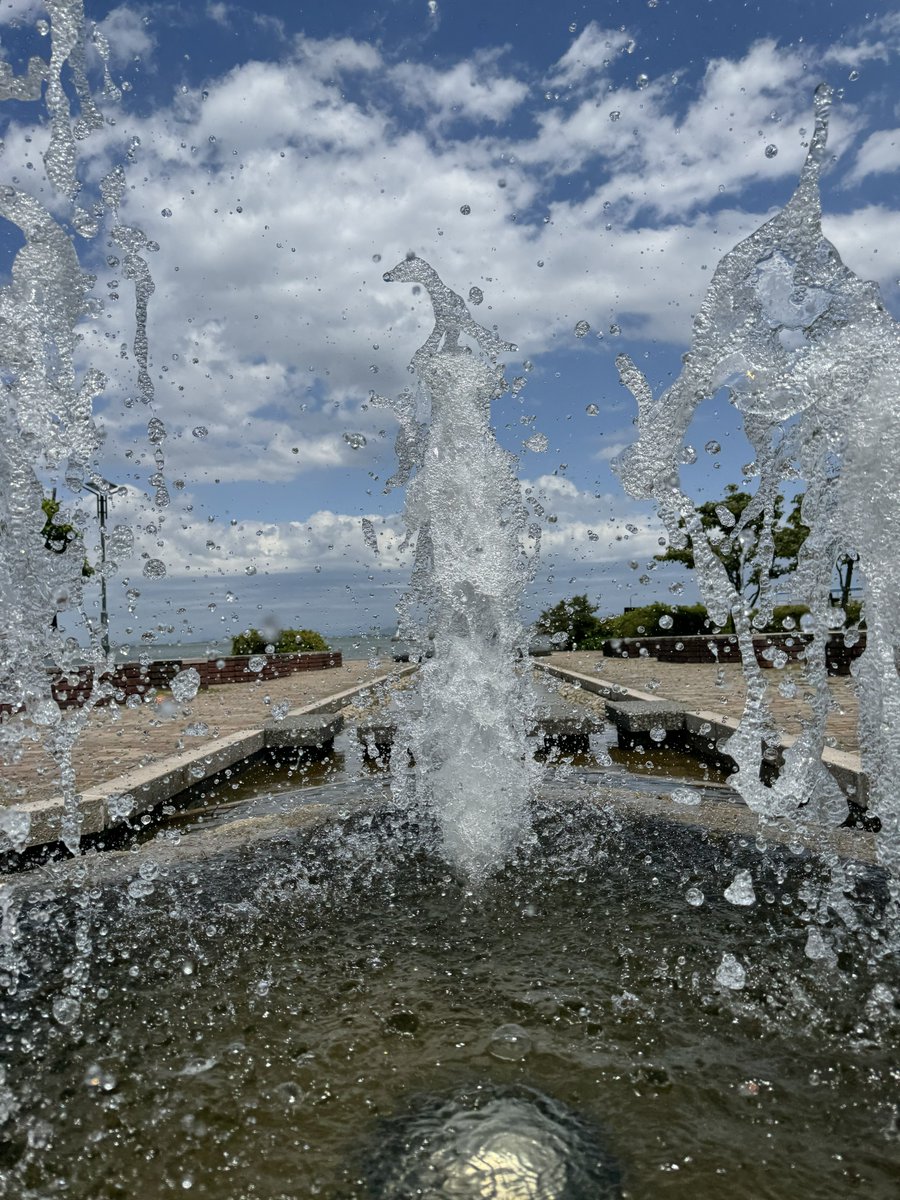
(811, 359)
(466, 725)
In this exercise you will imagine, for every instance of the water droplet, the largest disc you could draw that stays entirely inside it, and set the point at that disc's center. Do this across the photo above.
(510, 1043)
(66, 1010)
(476, 295)
(592, 410)
(816, 947)
(676, 588)
(185, 685)
(615, 115)
(658, 734)
(771, 150)
(501, 183)
(537, 443)
(693, 895)
(166, 212)
(251, 570)
(573, 27)
(712, 447)
(46, 713)
(355, 440)
(687, 795)
(465, 209)
(99, 1080)
(154, 568)
(582, 329)
(665, 621)
(540, 262)
(740, 890)
(853, 76)
(615, 330)
(642, 81)
(43, 27)
(731, 973)
(256, 662)
(200, 431)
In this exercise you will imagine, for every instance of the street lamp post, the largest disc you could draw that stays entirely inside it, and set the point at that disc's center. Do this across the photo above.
(102, 508)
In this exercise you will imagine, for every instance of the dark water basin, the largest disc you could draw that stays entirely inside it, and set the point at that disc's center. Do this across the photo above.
(250, 1013)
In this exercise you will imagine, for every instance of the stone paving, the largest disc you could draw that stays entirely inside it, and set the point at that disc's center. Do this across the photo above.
(722, 689)
(119, 738)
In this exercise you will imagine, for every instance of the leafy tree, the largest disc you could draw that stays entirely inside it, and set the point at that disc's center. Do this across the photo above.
(292, 641)
(574, 617)
(288, 641)
(59, 535)
(733, 532)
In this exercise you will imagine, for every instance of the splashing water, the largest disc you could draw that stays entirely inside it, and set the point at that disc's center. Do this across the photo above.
(47, 429)
(466, 725)
(811, 359)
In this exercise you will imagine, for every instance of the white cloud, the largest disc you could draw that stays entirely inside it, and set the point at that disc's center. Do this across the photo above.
(473, 89)
(878, 155)
(589, 56)
(128, 34)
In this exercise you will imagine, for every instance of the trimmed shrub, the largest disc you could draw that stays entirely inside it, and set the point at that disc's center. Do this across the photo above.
(293, 641)
(251, 641)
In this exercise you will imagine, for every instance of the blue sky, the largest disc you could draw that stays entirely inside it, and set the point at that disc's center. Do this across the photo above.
(288, 154)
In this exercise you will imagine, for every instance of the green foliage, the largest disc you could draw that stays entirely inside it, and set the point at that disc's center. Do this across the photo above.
(734, 527)
(575, 618)
(251, 641)
(292, 641)
(288, 641)
(59, 535)
(687, 620)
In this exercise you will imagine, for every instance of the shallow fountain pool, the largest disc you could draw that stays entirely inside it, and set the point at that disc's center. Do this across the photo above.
(258, 1012)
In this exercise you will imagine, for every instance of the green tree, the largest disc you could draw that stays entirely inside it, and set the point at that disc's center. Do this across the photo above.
(292, 641)
(733, 533)
(60, 535)
(573, 617)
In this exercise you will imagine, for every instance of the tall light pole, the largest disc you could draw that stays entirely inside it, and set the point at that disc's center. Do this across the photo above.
(101, 491)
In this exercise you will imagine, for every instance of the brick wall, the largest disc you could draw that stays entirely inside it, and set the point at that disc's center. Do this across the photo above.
(133, 679)
(771, 649)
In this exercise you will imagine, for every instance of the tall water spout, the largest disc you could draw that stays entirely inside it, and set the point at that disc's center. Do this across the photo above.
(48, 436)
(466, 726)
(811, 359)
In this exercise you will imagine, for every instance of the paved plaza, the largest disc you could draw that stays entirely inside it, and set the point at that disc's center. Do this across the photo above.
(117, 739)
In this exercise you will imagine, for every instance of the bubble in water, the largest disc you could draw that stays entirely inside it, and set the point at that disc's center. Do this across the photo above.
(592, 410)
(199, 431)
(694, 895)
(537, 443)
(185, 685)
(771, 150)
(582, 329)
(154, 568)
(465, 209)
(731, 973)
(355, 440)
(476, 295)
(66, 1010)
(511, 1043)
(740, 890)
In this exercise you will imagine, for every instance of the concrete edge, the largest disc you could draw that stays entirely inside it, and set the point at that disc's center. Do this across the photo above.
(845, 767)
